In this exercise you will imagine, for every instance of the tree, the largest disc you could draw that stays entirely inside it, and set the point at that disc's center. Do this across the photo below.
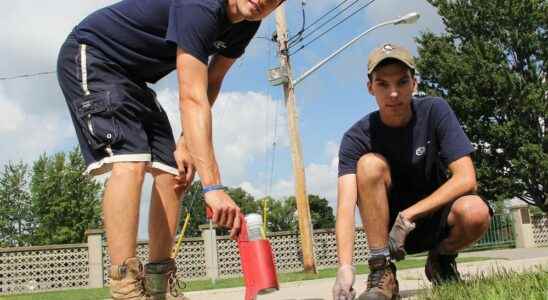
(490, 65)
(321, 213)
(16, 222)
(283, 216)
(65, 203)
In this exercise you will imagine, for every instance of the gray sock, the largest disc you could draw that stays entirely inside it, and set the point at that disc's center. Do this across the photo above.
(379, 252)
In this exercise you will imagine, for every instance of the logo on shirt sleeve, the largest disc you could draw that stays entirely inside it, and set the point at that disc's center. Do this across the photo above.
(420, 151)
(219, 45)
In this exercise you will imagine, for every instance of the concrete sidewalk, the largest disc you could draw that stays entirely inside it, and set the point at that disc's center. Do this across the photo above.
(411, 280)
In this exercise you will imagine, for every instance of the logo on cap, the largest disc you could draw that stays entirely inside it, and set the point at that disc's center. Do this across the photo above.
(387, 48)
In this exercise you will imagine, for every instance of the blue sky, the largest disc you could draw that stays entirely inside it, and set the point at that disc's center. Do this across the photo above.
(34, 118)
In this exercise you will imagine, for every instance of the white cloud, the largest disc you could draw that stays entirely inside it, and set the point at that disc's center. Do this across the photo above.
(26, 135)
(321, 179)
(243, 125)
(11, 116)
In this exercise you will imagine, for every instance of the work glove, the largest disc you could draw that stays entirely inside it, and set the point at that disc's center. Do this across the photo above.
(401, 228)
(342, 290)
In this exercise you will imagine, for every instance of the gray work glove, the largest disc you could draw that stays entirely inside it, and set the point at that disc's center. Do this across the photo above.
(342, 290)
(402, 227)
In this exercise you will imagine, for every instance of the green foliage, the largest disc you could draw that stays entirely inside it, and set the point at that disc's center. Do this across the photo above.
(16, 222)
(65, 202)
(281, 214)
(53, 204)
(321, 213)
(491, 67)
(283, 217)
(194, 203)
(503, 284)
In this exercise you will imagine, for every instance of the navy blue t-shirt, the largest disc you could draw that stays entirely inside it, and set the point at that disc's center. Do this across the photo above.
(418, 154)
(142, 36)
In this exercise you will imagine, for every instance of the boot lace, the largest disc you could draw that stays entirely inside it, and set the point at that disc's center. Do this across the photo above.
(376, 278)
(176, 284)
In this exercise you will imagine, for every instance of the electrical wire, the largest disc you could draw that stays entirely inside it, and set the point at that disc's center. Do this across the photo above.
(331, 28)
(27, 75)
(297, 41)
(300, 33)
(326, 14)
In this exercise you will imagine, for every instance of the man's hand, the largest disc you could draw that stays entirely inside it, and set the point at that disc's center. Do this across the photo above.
(402, 227)
(225, 212)
(342, 290)
(184, 165)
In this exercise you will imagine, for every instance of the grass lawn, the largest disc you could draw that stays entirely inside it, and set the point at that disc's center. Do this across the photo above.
(503, 285)
(196, 285)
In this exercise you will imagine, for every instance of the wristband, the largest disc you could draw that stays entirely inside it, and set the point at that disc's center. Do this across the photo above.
(214, 187)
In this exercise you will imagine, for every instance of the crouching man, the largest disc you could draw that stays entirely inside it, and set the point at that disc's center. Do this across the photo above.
(393, 166)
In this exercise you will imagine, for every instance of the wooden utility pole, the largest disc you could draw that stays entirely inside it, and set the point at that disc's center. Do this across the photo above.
(303, 209)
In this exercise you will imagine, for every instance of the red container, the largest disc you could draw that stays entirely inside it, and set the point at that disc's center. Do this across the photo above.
(257, 264)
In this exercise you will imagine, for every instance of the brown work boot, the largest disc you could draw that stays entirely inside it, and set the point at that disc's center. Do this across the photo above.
(161, 282)
(126, 280)
(381, 282)
(441, 269)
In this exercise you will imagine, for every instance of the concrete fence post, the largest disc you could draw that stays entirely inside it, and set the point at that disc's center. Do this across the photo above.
(523, 226)
(95, 257)
(209, 236)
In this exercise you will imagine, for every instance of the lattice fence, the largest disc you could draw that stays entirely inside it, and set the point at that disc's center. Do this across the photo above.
(287, 252)
(190, 260)
(228, 258)
(31, 269)
(540, 230)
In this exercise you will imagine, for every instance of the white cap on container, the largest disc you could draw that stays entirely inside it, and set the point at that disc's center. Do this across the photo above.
(254, 219)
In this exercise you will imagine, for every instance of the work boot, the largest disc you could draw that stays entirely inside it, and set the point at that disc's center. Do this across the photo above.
(441, 268)
(381, 282)
(161, 282)
(126, 280)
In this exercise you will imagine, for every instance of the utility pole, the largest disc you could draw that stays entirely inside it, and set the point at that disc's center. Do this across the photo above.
(303, 209)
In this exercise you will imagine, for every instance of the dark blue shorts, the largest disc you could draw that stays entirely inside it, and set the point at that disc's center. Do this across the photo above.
(117, 119)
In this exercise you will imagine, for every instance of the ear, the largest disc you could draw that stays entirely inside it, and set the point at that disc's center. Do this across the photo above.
(370, 88)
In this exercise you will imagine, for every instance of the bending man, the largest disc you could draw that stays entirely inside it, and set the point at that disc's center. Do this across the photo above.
(104, 67)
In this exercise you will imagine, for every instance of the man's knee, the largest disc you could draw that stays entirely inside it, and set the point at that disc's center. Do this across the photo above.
(472, 212)
(373, 167)
(162, 178)
(134, 171)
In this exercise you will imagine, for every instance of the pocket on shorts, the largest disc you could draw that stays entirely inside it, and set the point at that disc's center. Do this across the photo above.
(96, 116)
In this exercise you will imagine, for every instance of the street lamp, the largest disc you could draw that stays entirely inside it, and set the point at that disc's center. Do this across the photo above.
(277, 77)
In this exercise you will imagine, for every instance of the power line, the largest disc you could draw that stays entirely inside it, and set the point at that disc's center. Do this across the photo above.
(296, 41)
(332, 27)
(326, 14)
(27, 75)
(300, 33)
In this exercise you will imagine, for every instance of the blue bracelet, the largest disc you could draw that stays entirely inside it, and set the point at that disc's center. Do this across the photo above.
(214, 187)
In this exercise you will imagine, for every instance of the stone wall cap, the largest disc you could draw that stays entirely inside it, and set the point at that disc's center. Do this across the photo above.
(94, 231)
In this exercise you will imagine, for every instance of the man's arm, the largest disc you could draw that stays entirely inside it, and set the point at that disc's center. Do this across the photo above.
(218, 67)
(347, 195)
(196, 122)
(196, 116)
(462, 182)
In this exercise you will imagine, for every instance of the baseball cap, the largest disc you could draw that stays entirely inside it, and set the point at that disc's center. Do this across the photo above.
(389, 51)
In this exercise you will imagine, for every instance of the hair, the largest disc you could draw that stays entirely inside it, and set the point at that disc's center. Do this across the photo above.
(390, 61)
